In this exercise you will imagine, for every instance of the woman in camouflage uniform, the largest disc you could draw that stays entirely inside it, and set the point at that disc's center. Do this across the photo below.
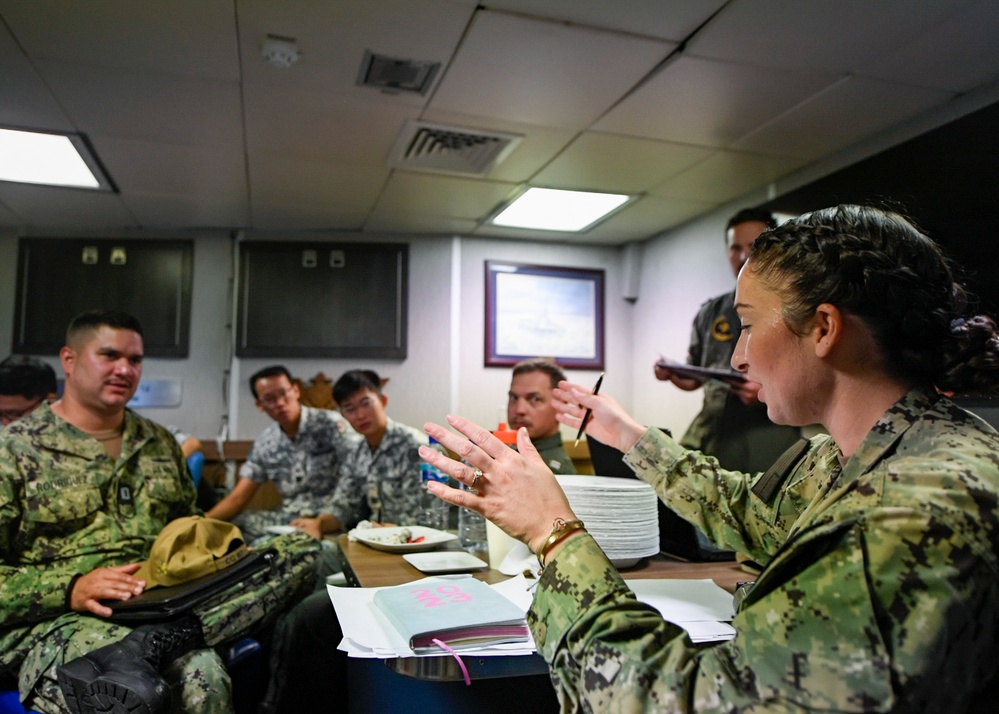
(880, 539)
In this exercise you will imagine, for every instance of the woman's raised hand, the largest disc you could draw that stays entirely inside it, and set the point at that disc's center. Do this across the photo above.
(514, 489)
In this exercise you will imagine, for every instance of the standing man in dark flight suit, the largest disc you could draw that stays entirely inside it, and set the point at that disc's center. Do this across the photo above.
(732, 425)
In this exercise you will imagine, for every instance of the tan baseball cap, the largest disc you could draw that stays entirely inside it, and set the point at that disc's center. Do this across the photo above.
(190, 547)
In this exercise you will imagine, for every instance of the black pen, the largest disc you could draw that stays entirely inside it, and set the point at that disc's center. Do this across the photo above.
(586, 415)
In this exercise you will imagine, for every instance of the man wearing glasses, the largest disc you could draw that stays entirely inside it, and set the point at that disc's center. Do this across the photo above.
(300, 452)
(24, 384)
(380, 479)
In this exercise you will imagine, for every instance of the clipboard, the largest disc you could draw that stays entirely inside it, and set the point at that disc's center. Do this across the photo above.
(728, 376)
(164, 603)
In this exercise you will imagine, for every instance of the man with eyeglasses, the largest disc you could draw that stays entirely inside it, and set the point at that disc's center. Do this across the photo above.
(301, 452)
(25, 383)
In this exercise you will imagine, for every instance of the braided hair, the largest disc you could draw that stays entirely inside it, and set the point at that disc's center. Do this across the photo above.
(879, 267)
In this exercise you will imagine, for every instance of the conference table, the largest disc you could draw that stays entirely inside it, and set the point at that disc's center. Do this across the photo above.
(392, 684)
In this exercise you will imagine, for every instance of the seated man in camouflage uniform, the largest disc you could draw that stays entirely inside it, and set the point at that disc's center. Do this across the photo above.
(85, 487)
(300, 452)
(529, 405)
(380, 478)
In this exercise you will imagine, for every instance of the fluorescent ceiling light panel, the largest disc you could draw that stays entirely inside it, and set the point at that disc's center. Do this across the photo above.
(552, 209)
(43, 158)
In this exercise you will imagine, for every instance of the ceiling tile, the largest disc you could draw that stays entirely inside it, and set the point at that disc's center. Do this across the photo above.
(145, 105)
(65, 208)
(544, 73)
(696, 101)
(321, 125)
(609, 162)
(25, 101)
(286, 217)
(168, 169)
(275, 180)
(409, 222)
(726, 175)
(442, 195)
(841, 116)
(965, 53)
(647, 217)
(818, 35)
(183, 212)
(666, 20)
(180, 37)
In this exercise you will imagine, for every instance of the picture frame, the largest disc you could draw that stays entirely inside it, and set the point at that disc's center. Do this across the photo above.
(544, 311)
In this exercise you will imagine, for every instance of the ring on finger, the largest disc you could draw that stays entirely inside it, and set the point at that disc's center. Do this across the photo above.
(476, 475)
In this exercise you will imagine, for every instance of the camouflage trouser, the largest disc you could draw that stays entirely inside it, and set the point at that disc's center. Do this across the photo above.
(199, 680)
(253, 522)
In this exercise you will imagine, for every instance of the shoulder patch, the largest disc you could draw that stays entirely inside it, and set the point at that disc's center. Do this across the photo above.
(721, 330)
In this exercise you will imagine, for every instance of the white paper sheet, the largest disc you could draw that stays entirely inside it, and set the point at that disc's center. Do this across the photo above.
(699, 606)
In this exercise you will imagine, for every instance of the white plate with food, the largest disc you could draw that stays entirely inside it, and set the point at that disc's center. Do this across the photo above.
(445, 561)
(403, 539)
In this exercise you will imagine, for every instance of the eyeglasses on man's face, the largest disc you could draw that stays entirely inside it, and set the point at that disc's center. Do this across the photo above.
(272, 399)
(347, 409)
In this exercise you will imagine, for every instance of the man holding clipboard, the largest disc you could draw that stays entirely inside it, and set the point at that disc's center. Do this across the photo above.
(732, 425)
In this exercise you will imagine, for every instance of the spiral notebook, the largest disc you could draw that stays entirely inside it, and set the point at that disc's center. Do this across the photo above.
(460, 612)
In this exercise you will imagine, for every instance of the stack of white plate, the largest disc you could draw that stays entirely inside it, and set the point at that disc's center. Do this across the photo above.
(621, 514)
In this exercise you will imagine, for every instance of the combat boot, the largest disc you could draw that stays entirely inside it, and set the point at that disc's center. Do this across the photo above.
(124, 677)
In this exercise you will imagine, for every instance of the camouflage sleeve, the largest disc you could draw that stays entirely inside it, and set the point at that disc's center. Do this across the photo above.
(27, 593)
(251, 468)
(606, 651)
(347, 499)
(718, 502)
(403, 497)
(819, 632)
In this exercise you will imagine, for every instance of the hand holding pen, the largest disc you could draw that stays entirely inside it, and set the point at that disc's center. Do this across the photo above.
(606, 421)
(589, 412)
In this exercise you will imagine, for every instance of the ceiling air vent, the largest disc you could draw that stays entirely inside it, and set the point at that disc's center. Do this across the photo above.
(396, 75)
(451, 150)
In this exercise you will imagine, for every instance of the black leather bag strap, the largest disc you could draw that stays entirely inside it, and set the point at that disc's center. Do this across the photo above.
(767, 486)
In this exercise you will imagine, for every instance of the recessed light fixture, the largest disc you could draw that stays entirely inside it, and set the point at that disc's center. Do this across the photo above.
(49, 159)
(554, 209)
